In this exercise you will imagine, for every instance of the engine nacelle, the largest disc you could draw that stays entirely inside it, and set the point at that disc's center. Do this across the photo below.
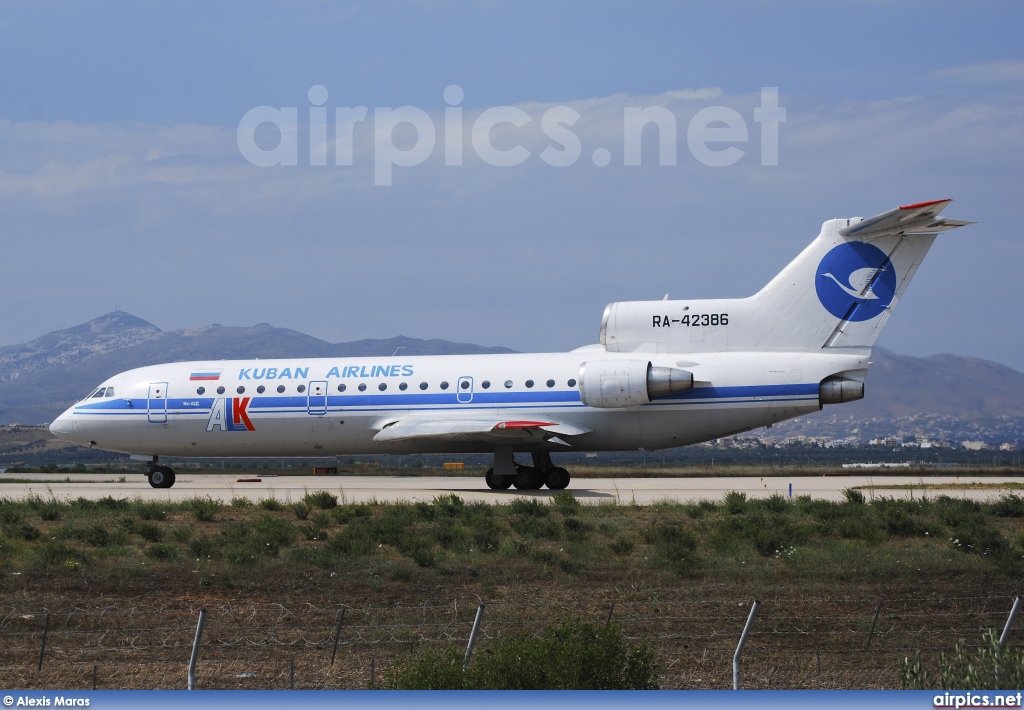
(837, 390)
(629, 383)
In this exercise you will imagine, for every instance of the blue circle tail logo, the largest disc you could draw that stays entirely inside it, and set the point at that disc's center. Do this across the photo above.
(855, 281)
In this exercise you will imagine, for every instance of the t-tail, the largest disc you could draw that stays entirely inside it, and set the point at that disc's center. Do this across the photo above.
(836, 295)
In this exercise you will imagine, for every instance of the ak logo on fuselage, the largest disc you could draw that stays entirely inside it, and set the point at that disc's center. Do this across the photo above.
(855, 281)
(230, 414)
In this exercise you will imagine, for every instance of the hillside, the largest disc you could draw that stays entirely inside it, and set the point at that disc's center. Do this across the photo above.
(39, 379)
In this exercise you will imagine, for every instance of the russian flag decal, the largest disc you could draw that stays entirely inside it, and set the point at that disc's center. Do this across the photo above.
(205, 375)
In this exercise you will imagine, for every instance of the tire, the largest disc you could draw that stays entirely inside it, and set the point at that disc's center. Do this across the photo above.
(528, 478)
(161, 477)
(557, 479)
(497, 483)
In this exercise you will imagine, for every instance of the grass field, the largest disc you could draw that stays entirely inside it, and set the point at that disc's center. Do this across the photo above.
(679, 575)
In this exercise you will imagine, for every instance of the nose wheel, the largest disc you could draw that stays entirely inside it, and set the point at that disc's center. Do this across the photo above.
(160, 476)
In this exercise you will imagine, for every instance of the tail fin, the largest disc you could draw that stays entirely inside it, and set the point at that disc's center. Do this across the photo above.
(838, 293)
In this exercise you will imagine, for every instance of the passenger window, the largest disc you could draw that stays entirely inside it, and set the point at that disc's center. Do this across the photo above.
(550, 383)
(362, 386)
(508, 384)
(486, 384)
(261, 389)
(201, 390)
(529, 384)
(301, 388)
(382, 386)
(220, 390)
(444, 385)
(240, 390)
(280, 389)
(342, 388)
(572, 383)
(404, 386)
(464, 384)
(423, 385)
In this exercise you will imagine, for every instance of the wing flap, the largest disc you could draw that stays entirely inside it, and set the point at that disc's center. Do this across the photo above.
(486, 430)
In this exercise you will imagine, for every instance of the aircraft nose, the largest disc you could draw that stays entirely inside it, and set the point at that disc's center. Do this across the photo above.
(63, 426)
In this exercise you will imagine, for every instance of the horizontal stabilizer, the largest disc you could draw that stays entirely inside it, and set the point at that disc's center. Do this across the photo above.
(919, 218)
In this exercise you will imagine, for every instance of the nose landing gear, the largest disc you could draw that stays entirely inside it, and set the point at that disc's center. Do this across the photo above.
(160, 476)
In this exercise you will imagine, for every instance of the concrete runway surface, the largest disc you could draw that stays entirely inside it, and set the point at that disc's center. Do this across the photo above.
(352, 489)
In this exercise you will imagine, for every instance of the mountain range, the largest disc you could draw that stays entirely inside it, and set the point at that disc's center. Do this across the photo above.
(41, 378)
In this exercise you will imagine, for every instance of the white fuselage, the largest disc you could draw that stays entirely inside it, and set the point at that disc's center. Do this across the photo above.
(335, 406)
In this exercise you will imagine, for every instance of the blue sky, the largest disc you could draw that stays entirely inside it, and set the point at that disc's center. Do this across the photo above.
(122, 184)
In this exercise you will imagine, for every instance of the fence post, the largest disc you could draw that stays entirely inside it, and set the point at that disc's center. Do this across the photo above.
(739, 646)
(472, 636)
(373, 668)
(1002, 637)
(874, 621)
(1009, 622)
(94, 669)
(195, 650)
(291, 674)
(46, 631)
(337, 634)
(608, 621)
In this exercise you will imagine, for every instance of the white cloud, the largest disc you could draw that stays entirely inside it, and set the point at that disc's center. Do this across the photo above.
(1011, 70)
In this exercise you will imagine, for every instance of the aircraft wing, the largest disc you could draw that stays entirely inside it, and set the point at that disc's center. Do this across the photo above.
(921, 217)
(496, 431)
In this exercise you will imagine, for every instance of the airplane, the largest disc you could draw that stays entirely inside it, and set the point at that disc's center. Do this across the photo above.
(665, 374)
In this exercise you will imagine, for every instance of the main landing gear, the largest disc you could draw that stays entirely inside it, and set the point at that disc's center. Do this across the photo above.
(506, 472)
(160, 476)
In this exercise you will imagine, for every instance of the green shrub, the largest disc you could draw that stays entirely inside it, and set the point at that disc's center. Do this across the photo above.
(241, 502)
(201, 547)
(150, 532)
(353, 540)
(163, 552)
(97, 536)
(528, 508)
(853, 496)
(271, 504)
(565, 503)
(537, 528)
(986, 668)
(736, 502)
(324, 500)
(572, 655)
(674, 544)
(1009, 506)
(485, 534)
(301, 511)
(150, 511)
(204, 509)
(622, 546)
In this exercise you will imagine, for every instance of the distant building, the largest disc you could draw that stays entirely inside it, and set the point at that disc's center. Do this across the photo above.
(1008, 446)
(974, 445)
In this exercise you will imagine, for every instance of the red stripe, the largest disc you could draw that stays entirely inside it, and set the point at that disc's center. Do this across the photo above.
(522, 425)
(206, 377)
(919, 205)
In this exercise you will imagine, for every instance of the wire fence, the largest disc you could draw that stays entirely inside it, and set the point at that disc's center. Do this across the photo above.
(794, 643)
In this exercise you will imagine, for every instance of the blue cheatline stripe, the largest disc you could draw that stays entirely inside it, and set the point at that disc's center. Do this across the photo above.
(445, 400)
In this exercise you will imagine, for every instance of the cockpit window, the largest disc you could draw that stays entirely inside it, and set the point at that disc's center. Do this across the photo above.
(98, 393)
(110, 392)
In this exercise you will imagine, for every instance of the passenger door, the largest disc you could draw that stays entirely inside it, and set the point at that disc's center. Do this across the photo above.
(316, 402)
(157, 407)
